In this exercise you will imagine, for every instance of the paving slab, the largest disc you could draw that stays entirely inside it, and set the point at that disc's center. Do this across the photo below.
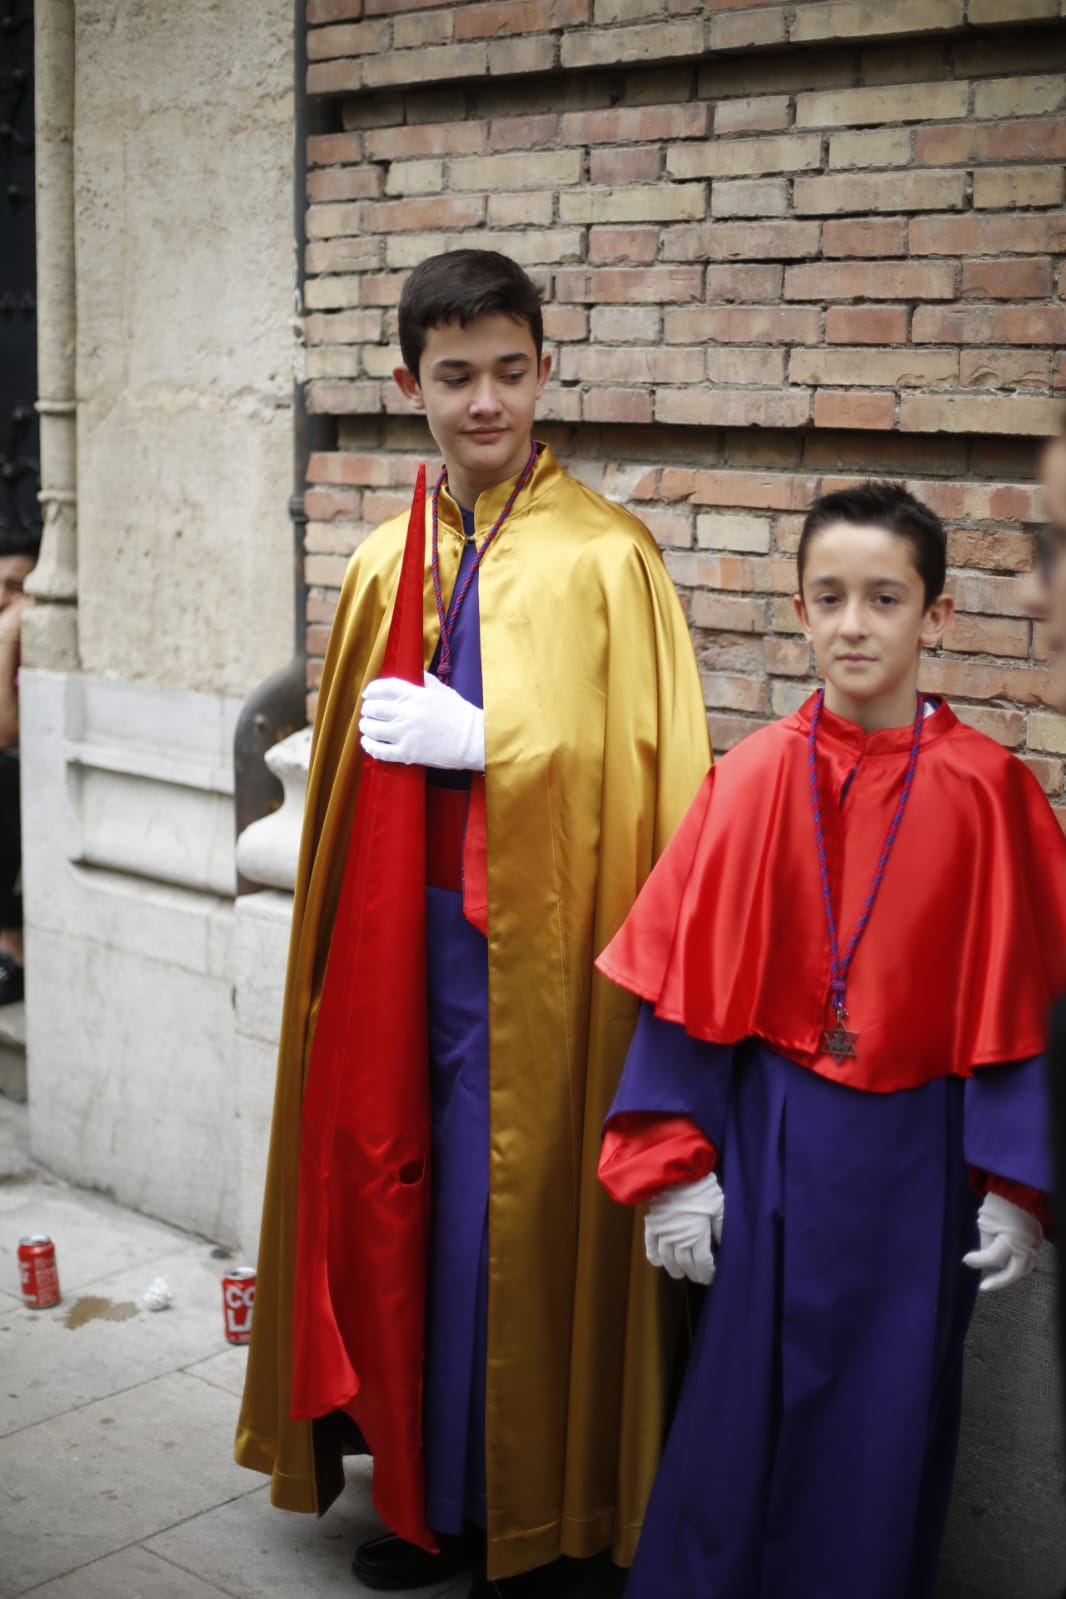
(226, 1369)
(94, 1237)
(133, 1574)
(93, 1481)
(101, 1340)
(254, 1551)
(117, 1478)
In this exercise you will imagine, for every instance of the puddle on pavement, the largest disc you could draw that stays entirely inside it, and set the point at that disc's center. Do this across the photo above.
(93, 1308)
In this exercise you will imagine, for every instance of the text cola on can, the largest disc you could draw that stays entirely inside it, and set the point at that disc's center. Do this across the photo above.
(238, 1297)
(38, 1274)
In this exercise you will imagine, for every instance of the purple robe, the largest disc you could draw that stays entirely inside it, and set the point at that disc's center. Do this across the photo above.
(813, 1447)
(457, 1305)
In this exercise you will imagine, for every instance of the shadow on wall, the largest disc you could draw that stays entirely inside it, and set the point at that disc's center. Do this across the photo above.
(1011, 1428)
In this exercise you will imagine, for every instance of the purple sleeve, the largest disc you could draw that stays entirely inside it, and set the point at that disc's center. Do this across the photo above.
(1006, 1122)
(668, 1073)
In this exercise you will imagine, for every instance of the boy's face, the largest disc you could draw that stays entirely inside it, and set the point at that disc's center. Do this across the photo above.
(478, 387)
(863, 608)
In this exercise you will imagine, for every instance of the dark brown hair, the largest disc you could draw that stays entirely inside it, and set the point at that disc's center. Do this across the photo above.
(459, 286)
(894, 508)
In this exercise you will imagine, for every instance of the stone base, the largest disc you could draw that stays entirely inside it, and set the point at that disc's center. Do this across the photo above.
(50, 637)
(127, 857)
(261, 952)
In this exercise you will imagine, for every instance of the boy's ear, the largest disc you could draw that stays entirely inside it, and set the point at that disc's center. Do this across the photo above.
(801, 615)
(544, 373)
(409, 387)
(935, 621)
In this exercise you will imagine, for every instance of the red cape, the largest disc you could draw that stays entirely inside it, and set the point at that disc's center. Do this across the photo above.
(363, 1209)
(966, 946)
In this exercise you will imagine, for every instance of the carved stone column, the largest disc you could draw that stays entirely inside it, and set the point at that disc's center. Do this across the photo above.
(268, 850)
(50, 636)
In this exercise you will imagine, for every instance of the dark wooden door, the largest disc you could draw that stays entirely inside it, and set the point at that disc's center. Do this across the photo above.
(19, 451)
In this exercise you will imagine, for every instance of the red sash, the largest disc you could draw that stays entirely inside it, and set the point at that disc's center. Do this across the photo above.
(364, 1190)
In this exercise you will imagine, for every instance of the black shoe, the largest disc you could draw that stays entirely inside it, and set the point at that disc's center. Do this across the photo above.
(12, 980)
(389, 1563)
(597, 1578)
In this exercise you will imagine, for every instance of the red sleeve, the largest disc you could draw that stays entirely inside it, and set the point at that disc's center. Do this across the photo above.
(644, 1152)
(1031, 1199)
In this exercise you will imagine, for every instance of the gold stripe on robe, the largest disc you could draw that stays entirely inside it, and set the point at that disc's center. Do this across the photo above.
(596, 743)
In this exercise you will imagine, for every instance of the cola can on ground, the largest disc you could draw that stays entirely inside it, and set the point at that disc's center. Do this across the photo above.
(238, 1297)
(38, 1276)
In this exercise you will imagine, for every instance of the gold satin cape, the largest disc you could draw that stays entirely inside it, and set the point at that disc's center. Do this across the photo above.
(596, 743)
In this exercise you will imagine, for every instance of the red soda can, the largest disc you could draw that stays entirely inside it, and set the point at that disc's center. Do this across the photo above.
(238, 1297)
(38, 1276)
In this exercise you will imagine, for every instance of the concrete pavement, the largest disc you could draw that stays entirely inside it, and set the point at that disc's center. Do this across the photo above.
(117, 1478)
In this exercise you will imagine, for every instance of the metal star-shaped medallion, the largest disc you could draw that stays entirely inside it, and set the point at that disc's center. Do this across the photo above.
(840, 1042)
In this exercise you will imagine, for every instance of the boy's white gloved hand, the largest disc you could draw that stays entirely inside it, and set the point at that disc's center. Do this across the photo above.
(427, 725)
(1010, 1243)
(679, 1227)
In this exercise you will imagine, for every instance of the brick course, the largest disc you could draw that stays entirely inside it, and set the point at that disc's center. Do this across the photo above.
(728, 533)
(767, 271)
(648, 201)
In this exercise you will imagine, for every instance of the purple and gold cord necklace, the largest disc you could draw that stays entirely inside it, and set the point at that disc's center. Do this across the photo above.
(448, 618)
(839, 1040)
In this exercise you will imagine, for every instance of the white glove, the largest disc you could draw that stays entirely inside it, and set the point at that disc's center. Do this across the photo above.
(1010, 1243)
(430, 725)
(680, 1225)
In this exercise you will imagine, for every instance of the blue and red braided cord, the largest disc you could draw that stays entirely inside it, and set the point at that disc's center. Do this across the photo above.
(446, 618)
(840, 967)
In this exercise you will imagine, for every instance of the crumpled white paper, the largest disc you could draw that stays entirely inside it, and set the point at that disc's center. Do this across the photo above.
(157, 1296)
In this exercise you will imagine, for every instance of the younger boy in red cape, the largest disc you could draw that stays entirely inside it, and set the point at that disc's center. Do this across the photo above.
(835, 1097)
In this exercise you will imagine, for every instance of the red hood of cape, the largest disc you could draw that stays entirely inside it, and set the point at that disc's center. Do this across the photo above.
(966, 946)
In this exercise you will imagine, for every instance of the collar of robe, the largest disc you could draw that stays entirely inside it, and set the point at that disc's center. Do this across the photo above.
(545, 475)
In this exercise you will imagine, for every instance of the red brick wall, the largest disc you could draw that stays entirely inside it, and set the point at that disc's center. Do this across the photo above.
(777, 253)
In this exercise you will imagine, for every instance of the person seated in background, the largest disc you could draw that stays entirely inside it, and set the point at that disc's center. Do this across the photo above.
(18, 555)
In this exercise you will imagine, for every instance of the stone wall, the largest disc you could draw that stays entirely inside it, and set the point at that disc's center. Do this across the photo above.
(779, 248)
(167, 590)
(183, 195)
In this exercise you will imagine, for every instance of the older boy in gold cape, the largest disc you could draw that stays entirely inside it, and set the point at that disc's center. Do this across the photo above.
(592, 741)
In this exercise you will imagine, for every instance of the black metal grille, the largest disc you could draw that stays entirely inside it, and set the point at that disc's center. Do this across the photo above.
(19, 447)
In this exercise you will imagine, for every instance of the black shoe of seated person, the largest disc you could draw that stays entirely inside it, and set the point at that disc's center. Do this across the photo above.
(12, 980)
